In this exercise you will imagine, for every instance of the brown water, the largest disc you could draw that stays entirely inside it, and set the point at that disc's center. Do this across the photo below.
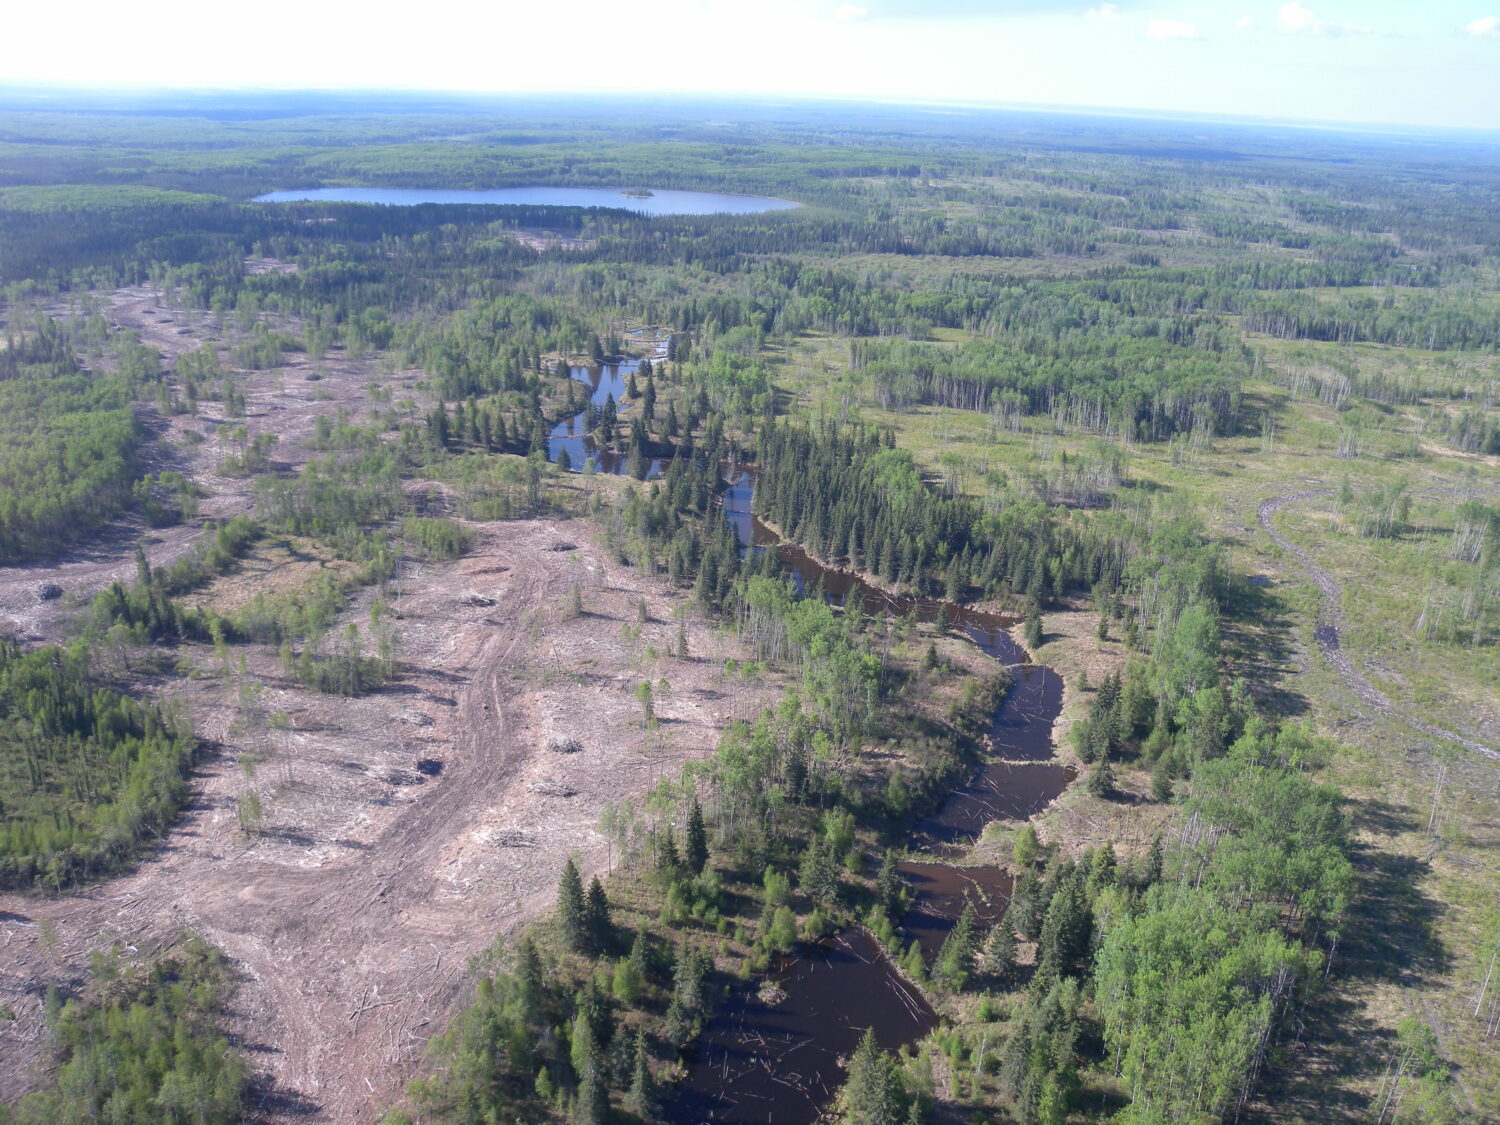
(938, 894)
(1001, 791)
(1022, 728)
(779, 1062)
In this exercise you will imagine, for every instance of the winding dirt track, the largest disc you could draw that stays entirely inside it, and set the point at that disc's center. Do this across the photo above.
(353, 929)
(1329, 626)
(349, 961)
(352, 917)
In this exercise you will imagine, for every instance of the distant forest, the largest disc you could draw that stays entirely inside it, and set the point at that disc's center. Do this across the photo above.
(1093, 289)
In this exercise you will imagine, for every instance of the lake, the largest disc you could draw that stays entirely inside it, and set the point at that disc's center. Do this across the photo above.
(662, 202)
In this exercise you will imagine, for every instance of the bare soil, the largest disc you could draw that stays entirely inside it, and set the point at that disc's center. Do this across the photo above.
(403, 830)
(285, 400)
(1077, 821)
(355, 910)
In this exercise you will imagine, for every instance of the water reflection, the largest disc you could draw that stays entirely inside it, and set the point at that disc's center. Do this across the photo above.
(606, 383)
(656, 202)
(773, 1054)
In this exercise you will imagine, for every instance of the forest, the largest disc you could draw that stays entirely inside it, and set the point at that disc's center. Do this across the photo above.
(1205, 426)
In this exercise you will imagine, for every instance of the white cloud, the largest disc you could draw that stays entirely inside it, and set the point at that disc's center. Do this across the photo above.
(1104, 13)
(848, 13)
(1244, 22)
(1296, 18)
(1486, 27)
(1171, 29)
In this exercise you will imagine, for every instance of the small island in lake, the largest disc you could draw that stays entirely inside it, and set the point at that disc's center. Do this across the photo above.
(638, 193)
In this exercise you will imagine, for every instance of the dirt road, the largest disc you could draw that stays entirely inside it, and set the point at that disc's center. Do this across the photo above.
(355, 912)
(1328, 629)
(404, 830)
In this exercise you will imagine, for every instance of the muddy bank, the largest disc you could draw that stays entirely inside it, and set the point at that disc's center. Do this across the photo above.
(776, 1052)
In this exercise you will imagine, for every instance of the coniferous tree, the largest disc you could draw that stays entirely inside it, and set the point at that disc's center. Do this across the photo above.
(1155, 862)
(640, 1099)
(1031, 629)
(597, 925)
(591, 1104)
(872, 1094)
(1065, 930)
(999, 958)
(955, 958)
(529, 985)
(1101, 781)
(572, 911)
(667, 860)
(696, 852)
(890, 890)
(1024, 914)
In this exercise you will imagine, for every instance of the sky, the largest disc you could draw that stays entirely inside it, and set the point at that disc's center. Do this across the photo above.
(1419, 62)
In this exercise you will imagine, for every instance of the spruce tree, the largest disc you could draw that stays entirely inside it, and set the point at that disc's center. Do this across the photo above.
(999, 960)
(955, 958)
(1155, 862)
(667, 860)
(593, 1005)
(600, 932)
(1065, 931)
(572, 912)
(640, 1099)
(890, 891)
(1101, 782)
(591, 1106)
(1024, 914)
(696, 852)
(529, 983)
(1031, 631)
(872, 1095)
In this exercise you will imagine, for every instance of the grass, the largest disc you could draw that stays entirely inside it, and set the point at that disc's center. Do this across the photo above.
(1425, 922)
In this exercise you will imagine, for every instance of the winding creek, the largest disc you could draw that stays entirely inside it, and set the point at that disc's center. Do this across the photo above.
(774, 1051)
(606, 383)
(776, 1055)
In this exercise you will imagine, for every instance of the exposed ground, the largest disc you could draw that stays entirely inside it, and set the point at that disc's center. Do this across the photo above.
(1077, 821)
(285, 400)
(402, 830)
(1424, 923)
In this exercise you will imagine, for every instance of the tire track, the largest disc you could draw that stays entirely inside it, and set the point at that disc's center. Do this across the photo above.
(1329, 627)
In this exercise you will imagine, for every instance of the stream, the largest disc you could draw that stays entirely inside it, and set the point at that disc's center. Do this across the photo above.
(606, 382)
(776, 1056)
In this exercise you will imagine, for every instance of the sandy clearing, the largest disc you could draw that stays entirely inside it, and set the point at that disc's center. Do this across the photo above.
(283, 400)
(354, 914)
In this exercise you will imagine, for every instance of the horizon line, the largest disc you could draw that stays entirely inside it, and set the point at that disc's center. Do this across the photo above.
(1071, 109)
